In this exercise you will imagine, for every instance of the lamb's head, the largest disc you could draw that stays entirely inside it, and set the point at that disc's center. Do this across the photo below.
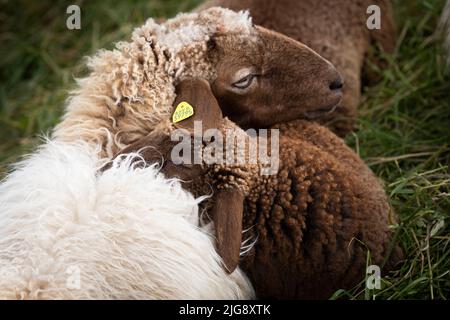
(259, 78)
(272, 79)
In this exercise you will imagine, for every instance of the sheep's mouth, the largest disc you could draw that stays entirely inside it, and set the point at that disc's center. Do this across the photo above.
(320, 112)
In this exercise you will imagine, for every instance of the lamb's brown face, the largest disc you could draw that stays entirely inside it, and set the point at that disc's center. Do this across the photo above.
(272, 79)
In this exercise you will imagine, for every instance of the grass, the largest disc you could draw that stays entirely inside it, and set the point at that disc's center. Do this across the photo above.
(403, 130)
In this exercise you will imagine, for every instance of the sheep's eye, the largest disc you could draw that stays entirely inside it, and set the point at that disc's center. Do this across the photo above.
(244, 82)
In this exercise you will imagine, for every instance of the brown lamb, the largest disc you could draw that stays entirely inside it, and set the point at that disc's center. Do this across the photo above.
(129, 92)
(336, 29)
(313, 221)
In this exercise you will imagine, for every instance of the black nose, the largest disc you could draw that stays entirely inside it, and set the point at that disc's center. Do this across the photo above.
(337, 84)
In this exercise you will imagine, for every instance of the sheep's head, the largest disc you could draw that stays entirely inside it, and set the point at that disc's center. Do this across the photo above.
(272, 79)
(259, 77)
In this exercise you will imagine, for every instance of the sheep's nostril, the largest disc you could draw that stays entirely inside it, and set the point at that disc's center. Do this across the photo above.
(337, 84)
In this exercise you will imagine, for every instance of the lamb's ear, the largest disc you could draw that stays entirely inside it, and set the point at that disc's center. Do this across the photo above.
(227, 212)
(198, 94)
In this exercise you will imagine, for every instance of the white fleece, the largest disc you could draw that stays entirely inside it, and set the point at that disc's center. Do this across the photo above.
(69, 232)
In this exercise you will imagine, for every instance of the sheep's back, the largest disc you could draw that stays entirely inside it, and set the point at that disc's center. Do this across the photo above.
(315, 219)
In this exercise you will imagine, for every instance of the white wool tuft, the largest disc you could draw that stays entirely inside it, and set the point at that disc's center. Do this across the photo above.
(67, 232)
(188, 28)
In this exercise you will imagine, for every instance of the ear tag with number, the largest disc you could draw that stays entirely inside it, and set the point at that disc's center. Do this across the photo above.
(183, 111)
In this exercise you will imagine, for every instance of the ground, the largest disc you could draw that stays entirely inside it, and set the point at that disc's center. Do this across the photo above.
(403, 130)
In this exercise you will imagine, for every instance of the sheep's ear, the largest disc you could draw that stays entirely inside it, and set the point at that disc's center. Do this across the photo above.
(227, 214)
(198, 94)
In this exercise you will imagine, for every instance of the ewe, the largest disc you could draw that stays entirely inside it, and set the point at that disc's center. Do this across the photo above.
(69, 231)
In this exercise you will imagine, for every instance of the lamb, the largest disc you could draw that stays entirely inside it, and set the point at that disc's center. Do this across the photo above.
(124, 233)
(337, 30)
(314, 220)
(130, 90)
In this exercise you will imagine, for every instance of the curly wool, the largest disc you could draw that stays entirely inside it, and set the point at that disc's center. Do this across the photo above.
(313, 222)
(128, 232)
(316, 219)
(130, 90)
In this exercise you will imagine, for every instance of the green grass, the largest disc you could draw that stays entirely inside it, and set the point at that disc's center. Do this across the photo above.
(403, 130)
(404, 135)
(40, 58)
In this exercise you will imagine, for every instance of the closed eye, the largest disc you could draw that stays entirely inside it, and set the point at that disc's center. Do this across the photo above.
(245, 82)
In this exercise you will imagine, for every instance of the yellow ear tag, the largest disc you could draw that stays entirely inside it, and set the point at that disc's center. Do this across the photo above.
(183, 111)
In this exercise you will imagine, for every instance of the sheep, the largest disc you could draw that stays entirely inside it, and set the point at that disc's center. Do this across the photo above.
(125, 233)
(67, 232)
(130, 91)
(313, 221)
(336, 30)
